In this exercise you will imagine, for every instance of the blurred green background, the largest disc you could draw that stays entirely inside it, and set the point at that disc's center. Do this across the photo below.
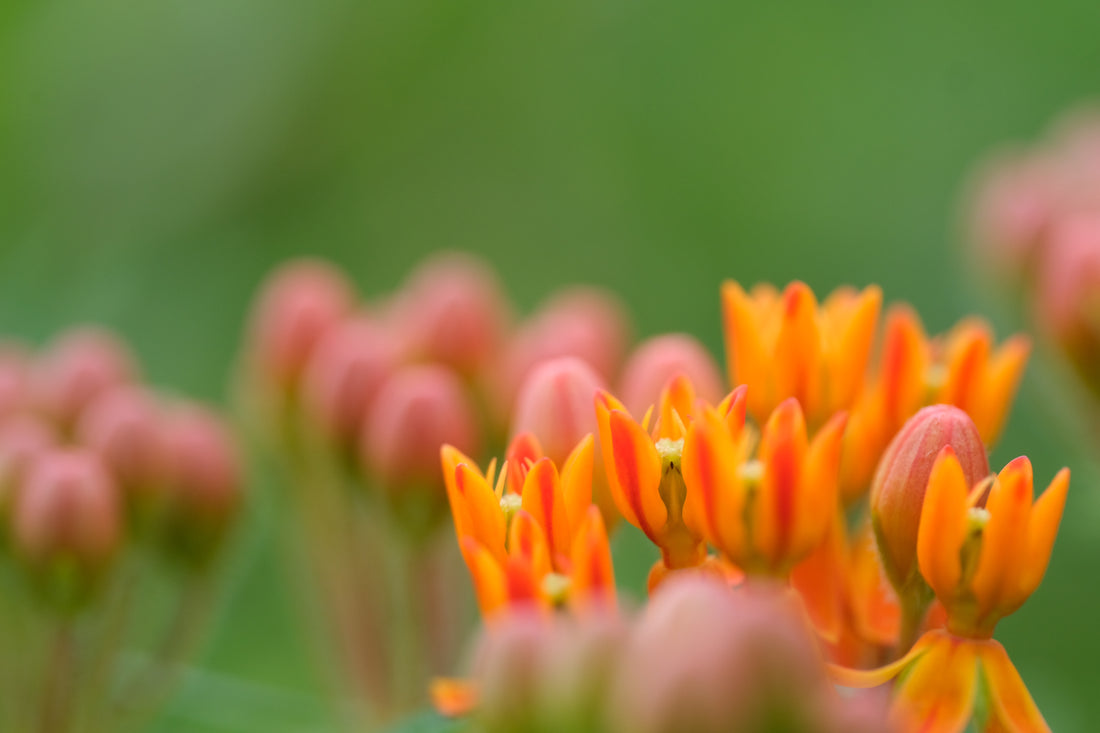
(156, 158)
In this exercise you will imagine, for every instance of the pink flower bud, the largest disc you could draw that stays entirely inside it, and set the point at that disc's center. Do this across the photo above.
(203, 483)
(67, 512)
(419, 409)
(22, 439)
(15, 379)
(297, 304)
(78, 367)
(1068, 297)
(659, 359)
(705, 658)
(897, 492)
(123, 426)
(344, 376)
(556, 405)
(452, 310)
(588, 323)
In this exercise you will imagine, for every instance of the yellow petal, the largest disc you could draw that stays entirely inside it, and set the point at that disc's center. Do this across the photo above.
(943, 525)
(863, 678)
(1011, 706)
(937, 694)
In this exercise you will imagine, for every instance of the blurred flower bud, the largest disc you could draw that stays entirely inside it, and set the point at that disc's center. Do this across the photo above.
(344, 376)
(66, 523)
(556, 405)
(586, 322)
(1068, 297)
(78, 367)
(22, 439)
(897, 492)
(659, 359)
(204, 489)
(297, 304)
(705, 658)
(418, 410)
(452, 310)
(123, 426)
(15, 379)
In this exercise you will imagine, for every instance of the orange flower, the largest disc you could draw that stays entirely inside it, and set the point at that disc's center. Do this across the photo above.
(787, 346)
(644, 470)
(538, 540)
(765, 514)
(961, 368)
(983, 550)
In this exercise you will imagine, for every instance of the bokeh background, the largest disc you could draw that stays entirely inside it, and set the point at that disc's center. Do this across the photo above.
(157, 158)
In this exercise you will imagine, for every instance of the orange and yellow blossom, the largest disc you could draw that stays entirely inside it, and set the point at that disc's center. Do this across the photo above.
(962, 368)
(983, 550)
(768, 513)
(645, 476)
(785, 345)
(535, 540)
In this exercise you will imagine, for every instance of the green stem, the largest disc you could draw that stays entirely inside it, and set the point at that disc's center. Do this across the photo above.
(57, 691)
(913, 609)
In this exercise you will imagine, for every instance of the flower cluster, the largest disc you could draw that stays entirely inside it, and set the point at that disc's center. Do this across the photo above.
(1035, 219)
(852, 477)
(110, 494)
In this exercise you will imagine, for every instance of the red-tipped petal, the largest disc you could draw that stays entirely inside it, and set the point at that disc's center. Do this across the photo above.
(635, 469)
(523, 451)
(715, 497)
(593, 577)
(783, 447)
(542, 499)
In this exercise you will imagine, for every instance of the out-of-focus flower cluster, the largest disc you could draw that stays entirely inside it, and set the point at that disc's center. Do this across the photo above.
(1034, 215)
(115, 500)
(846, 468)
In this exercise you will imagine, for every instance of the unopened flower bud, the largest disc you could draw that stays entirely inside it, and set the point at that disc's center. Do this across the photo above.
(897, 492)
(452, 310)
(418, 410)
(585, 322)
(66, 523)
(204, 488)
(555, 405)
(297, 305)
(123, 426)
(1013, 203)
(78, 367)
(345, 374)
(15, 379)
(705, 658)
(661, 358)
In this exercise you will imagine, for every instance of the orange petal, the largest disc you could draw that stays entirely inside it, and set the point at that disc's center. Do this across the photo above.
(453, 697)
(943, 525)
(968, 349)
(483, 518)
(523, 451)
(527, 541)
(996, 579)
(876, 614)
(783, 446)
(576, 482)
(819, 581)
(863, 678)
(635, 472)
(715, 499)
(851, 345)
(938, 692)
(490, 583)
(747, 355)
(1011, 707)
(999, 385)
(677, 404)
(816, 502)
(1046, 515)
(605, 405)
(797, 364)
(733, 407)
(543, 500)
(903, 365)
(593, 577)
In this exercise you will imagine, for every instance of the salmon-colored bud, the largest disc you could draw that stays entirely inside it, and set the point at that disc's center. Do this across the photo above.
(1014, 201)
(705, 658)
(555, 405)
(452, 310)
(15, 379)
(418, 409)
(124, 427)
(204, 485)
(345, 374)
(588, 323)
(22, 439)
(66, 522)
(1068, 297)
(661, 358)
(897, 492)
(78, 367)
(297, 304)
